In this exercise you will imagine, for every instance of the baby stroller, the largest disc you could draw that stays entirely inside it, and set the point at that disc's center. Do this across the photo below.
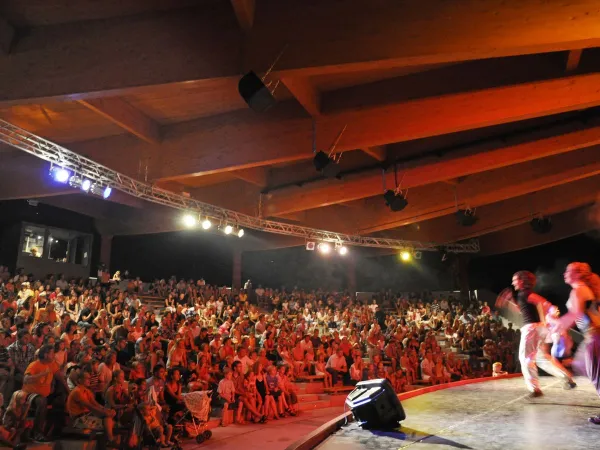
(147, 436)
(193, 422)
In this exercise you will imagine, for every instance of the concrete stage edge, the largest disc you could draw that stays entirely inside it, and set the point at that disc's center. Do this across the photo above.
(494, 414)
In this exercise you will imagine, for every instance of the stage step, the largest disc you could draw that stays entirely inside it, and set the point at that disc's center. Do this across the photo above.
(310, 388)
(318, 404)
(308, 397)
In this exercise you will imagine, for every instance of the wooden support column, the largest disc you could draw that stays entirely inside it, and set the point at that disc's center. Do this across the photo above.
(236, 282)
(105, 250)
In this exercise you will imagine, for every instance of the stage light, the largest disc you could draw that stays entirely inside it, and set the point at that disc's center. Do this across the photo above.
(59, 174)
(343, 250)
(228, 229)
(324, 248)
(405, 256)
(107, 192)
(86, 185)
(395, 201)
(327, 166)
(75, 181)
(240, 232)
(189, 220)
(206, 224)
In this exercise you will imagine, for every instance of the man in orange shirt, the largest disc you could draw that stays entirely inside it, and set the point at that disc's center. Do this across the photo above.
(38, 379)
(87, 413)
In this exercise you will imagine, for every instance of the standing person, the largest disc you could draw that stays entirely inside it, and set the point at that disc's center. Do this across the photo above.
(533, 309)
(583, 310)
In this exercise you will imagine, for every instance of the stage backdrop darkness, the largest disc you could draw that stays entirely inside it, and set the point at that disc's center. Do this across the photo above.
(185, 254)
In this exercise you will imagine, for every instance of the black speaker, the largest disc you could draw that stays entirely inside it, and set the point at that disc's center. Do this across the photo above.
(255, 93)
(541, 225)
(375, 404)
(466, 217)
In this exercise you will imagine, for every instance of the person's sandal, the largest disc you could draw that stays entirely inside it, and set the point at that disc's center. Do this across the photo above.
(263, 419)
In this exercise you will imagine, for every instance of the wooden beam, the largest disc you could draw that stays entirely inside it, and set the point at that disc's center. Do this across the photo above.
(437, 200)
(378, 152)
(115, 55)
(505, 214)
(564, 225)
(258, 176)
(573, 59)
(244, 13)
(121, 55)
(126, 116)
(7, 36)
(479, 158)
(305, 92)
(350, 35)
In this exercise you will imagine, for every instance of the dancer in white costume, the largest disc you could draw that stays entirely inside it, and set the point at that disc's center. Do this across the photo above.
(532, 353)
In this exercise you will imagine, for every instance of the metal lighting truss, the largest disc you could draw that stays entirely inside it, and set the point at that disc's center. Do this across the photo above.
(86, 168)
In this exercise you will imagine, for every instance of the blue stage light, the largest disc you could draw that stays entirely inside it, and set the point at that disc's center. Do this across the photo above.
(107, 192)
(86, 185)
(59, 174)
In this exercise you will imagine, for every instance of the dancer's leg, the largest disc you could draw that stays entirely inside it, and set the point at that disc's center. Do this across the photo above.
(592, 367)
(527, 355)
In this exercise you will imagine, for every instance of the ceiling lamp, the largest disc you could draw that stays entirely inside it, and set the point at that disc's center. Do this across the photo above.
(86, 185)
(60, 174)
(395, 200)
(228, 229)
(206, 224)
(107, 192)
(240, 232)
(75, 181)
(342, 250)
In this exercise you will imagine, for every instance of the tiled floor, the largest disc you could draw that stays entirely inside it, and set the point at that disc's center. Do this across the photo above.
(275, 435)
(487, 416)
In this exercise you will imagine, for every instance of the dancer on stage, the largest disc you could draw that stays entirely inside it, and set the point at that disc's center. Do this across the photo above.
(532, 353)
(583, 310)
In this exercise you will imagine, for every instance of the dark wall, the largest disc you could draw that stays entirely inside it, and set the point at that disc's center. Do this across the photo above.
(189, 254)
(13, 212)
(548, 262)
(298, 267)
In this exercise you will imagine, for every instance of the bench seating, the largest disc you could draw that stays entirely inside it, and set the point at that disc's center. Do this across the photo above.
(310, 378)
(338, 389)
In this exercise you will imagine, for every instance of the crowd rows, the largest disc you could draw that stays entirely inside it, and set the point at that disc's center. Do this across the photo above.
(102, 356)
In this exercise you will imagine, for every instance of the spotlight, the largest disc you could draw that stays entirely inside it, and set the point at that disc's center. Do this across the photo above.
(324, 248)
(466, 217)
(228, 229)
(86, 185)
(206, 224)
(107, 192)
(327, 166)
(189, 220)
(396, 202)
(541, 225)
(343, 250)
(59, 174)
(240, 232)
(75, 181)
(405, 256)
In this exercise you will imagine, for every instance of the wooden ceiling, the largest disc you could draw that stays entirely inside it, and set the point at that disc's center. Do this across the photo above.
(490, 105)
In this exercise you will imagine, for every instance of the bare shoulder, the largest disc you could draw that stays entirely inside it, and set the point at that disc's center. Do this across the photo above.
(536, 299)
(583, 293)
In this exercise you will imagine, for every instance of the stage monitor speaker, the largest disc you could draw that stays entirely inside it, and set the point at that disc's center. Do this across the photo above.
(255, 93)
(375, 405)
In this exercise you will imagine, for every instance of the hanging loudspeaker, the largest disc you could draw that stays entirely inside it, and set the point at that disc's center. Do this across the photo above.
(255, 93)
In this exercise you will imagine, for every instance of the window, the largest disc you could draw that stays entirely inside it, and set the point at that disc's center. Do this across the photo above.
(58, 248)
(33, 241)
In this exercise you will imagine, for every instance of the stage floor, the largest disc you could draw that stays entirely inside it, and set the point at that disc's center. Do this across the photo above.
(489, 415)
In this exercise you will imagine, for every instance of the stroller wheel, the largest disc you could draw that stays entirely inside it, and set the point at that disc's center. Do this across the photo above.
(207, 434)
(200, 438)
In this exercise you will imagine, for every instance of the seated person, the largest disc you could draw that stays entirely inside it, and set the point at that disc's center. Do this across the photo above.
(161, 434)
(87, 413)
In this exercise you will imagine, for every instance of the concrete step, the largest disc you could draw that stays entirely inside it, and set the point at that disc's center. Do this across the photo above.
(318, 404)
(310, 388)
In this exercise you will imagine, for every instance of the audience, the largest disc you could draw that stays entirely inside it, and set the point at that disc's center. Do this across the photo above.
(86, 349)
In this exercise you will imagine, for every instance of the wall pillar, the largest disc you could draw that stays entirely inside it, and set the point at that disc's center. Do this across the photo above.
(237, 269)
(105, 250)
